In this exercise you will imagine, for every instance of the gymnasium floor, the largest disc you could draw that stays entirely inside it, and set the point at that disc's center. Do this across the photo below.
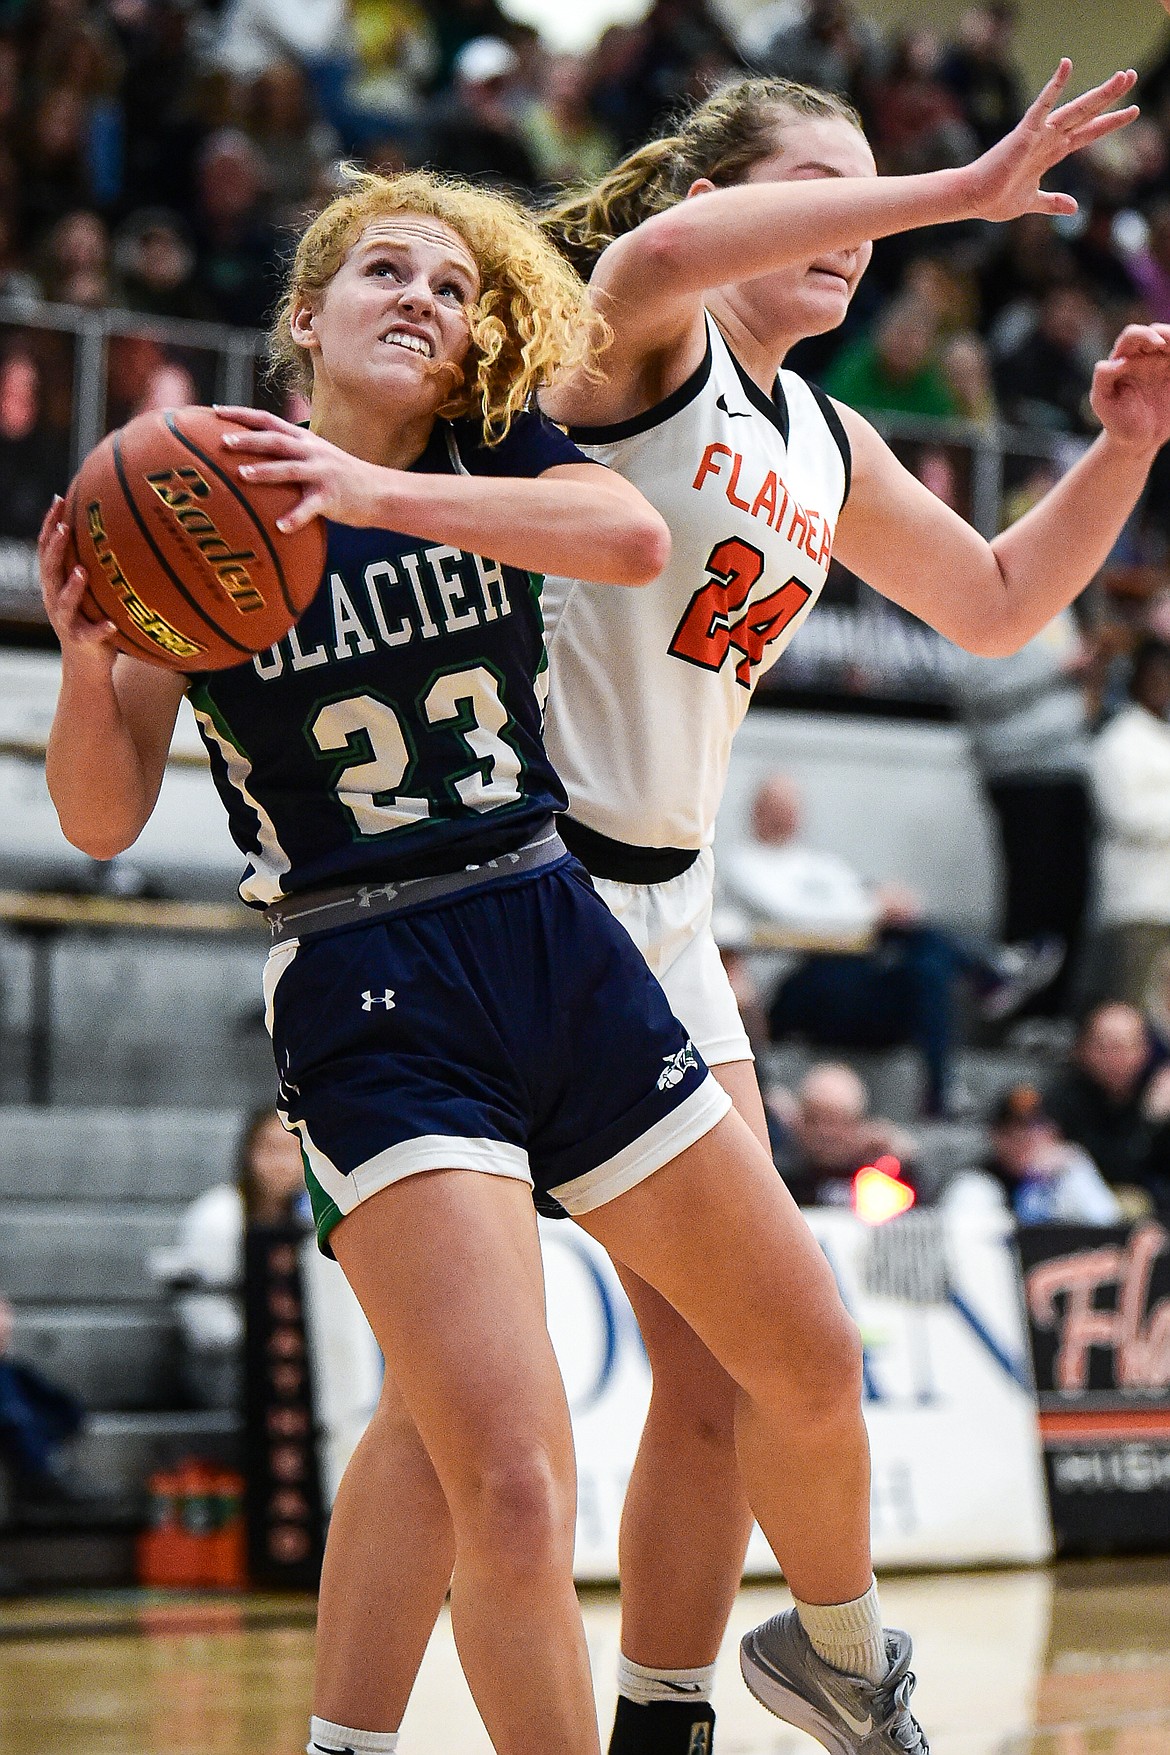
(1074, 1661)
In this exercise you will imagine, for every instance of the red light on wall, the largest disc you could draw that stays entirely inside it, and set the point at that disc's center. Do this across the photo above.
(879, 1194)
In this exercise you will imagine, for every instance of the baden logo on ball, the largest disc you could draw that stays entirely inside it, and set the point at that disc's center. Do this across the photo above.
(184, 559)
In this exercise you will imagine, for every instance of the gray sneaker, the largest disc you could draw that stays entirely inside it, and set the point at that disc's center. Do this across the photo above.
(847, 1714)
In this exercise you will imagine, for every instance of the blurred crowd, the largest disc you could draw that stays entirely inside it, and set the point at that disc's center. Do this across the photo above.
(153, 154)
(156, 156)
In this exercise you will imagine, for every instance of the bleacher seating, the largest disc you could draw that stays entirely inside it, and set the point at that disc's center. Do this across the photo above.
(85, 1194)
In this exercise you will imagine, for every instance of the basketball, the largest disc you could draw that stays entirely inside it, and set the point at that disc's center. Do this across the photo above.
(184, 559)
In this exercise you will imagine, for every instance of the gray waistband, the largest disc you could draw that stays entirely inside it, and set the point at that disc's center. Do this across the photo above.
(328, 910)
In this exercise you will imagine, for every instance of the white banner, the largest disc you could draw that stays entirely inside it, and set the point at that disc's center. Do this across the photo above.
(958, 1473)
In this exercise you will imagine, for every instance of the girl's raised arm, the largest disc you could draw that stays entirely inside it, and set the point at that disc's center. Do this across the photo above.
(650, 281)
(992, 597)
(114, 720)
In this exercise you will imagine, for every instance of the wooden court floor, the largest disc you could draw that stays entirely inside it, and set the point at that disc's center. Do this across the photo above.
(1072, 1661)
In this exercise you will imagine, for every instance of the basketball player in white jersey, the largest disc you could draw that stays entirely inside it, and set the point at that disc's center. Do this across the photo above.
(760, 478)
(716, 250)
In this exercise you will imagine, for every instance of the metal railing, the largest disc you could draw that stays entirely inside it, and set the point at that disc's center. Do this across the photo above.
(237, 354)
(83, 354)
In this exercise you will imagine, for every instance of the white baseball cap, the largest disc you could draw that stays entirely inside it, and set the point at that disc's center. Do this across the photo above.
(484, 59)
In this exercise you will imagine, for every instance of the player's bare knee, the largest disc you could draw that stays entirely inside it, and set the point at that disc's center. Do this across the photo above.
(818, 1381)
(518, 1512)
(829, 1381)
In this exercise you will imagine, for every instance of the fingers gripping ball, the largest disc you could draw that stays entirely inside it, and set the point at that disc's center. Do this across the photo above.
(184, 559)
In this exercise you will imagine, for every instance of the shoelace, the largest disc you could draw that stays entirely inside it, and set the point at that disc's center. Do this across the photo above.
(901, 1723)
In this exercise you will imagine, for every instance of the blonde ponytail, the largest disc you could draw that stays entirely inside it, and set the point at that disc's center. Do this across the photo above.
(720, 138)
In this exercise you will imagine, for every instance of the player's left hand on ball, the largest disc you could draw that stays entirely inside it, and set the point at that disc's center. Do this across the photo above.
(1131, 389)
(333, 483)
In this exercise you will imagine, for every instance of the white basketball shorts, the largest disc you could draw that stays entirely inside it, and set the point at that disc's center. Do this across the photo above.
(671, 925)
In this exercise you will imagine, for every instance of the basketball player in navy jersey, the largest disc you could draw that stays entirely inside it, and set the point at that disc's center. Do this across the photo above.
(759, 477)
(457, 1017)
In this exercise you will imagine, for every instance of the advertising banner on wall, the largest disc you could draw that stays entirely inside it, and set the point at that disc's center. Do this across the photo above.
(957, 1470)
(1099, 1309)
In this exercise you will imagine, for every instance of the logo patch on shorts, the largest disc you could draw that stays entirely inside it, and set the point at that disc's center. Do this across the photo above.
(675, 1066)
(370, 1000)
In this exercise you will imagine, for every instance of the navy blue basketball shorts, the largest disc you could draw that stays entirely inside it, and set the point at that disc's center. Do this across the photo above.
(516, 1031)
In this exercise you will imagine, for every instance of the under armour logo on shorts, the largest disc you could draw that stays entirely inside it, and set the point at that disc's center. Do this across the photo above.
(370, 1000)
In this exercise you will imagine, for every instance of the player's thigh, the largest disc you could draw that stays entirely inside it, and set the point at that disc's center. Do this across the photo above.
(447, 1267)
(718, 1235)
(683, 1366)
(739, 1080)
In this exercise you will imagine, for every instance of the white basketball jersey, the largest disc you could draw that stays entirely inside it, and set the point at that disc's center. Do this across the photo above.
(648, 685)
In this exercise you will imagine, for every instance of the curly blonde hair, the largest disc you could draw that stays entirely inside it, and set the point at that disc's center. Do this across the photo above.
(721, 138)
(531, 324)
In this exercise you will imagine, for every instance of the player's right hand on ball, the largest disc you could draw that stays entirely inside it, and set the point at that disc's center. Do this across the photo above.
(62, 590)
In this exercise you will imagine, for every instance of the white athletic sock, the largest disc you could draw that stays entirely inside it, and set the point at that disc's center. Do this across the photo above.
(848, 1635)
(642, 1684)
(326, 1738)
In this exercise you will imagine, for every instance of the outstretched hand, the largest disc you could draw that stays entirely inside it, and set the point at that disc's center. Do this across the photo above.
(333, 483)
(1005, 182)
(1131, 389)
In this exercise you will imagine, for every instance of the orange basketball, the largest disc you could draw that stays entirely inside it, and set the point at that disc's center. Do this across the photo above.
(184, 559)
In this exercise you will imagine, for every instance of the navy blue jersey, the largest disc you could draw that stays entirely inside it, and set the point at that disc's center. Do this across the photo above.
(398, 729)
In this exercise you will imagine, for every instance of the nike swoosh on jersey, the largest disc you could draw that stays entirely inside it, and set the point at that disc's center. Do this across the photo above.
(732, 413)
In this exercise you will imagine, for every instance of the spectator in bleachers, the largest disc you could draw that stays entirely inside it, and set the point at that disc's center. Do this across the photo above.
(34, 455)
(168, 385)
(236, 246)
(456, 22)
(679, 50)
(38, 1418)
(1045, 1178)
(1028, 732)
(1103, 267)
(292, 141)
(826, 1134)
(900, 983)
(205, 1266)
(1150, 267)
(53, 173)
(162, 125)
(566, 142)
(75, 266)
(473, 129)
(255, 35)
(396, 57)
(981, 71)
(1113, 1099)
(895, 365)
(1026, 261)
(17, 282)
(155, 265)
(916, 122)
(1131, 777)
(1044, 380)
(966, 370)
(828, 43)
